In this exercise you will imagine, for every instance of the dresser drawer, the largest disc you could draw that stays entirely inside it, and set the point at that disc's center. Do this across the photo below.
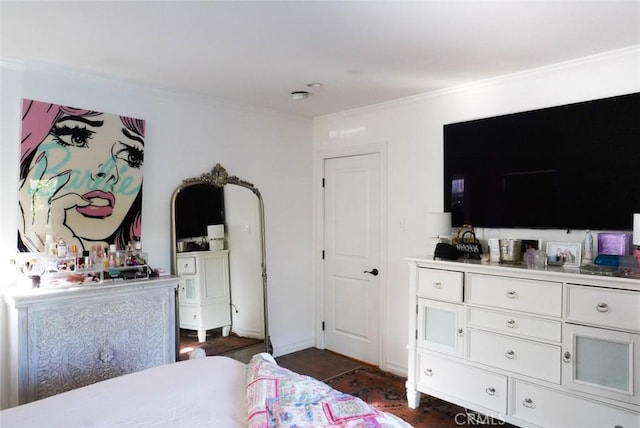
(526, 357)
(515, 323)
(186, 265)
(470, 384)
(440, 284)
(536, 297)
(603, 306)
(555, 409)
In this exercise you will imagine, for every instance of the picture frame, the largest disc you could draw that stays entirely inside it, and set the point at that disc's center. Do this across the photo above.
(566, 254)
(530, 244)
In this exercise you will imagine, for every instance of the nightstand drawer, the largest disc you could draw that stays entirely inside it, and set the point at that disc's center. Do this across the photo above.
(515, 323)
(536, 297)
(189, 316)
(526, 357)
(440, 284)
(186, 265)
(603, 306)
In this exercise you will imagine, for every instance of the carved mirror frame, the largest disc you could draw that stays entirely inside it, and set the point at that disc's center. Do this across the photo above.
(219, 177)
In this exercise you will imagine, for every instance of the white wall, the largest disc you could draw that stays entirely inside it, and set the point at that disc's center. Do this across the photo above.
(412, 129)
(185, 136)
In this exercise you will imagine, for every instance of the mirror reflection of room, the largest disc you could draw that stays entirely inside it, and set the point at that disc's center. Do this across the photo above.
(199, 208)
(218, 253)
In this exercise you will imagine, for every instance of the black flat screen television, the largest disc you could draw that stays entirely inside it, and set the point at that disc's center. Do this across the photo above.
(574, 166)
(196, 207)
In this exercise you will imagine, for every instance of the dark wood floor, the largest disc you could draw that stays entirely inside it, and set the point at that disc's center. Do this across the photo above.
(318, 363)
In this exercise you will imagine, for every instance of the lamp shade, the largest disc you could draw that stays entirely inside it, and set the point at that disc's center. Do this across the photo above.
(438, 224)
(215, 231)
(636, 229)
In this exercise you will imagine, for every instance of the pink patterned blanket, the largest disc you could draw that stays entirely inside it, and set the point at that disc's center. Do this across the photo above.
(278, 397)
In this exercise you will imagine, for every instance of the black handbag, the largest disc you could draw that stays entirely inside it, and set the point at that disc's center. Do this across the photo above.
(466, 242)
(446, 252)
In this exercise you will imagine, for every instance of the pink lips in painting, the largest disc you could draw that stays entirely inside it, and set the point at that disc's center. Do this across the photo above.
(101, 205)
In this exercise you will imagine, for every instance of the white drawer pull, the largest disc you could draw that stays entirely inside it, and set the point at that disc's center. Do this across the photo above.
(512, 294)
(528, 403)
(510, 354)
(428, 372)
(511, 323)
(437, 285)
(602, 307)
(186, 265)
(195, 317)
(460, 332)
(566, 357)
(491, 391)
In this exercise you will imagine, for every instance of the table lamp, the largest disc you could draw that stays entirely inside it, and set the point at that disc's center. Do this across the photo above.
(438, 226)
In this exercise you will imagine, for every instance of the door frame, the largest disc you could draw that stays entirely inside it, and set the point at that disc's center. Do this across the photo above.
(318, 227)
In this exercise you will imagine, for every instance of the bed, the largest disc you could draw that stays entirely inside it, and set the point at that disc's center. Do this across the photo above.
(202, 392)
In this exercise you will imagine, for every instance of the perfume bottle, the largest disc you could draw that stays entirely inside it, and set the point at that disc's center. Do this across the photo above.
(587, 244)
(50, 246)
(61, 248)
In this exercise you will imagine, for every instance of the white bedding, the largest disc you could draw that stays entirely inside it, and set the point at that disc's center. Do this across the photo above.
(202, 392)
(194, 393)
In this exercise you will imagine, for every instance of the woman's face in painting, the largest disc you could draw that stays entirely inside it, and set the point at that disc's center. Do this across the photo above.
(105, 163)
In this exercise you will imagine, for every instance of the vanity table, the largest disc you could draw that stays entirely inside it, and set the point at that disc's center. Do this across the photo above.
(67, 337)
(547, 347)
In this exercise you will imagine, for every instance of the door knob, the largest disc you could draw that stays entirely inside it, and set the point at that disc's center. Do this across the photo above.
(373, 271)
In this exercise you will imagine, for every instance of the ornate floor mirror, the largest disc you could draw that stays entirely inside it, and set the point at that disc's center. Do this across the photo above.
(218, 251)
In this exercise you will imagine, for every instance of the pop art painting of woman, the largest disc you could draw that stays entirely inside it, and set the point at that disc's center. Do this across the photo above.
(80, 177)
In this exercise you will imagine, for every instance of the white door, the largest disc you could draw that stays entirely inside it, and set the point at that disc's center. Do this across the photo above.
(352, 235)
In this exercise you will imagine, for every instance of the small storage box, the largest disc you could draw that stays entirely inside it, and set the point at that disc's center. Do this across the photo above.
(618, 244)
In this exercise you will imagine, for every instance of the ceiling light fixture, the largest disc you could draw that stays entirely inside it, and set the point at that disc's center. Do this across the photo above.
(314, 85)
(300, 95)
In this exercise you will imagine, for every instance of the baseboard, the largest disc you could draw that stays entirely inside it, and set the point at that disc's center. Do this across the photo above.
(279, 350)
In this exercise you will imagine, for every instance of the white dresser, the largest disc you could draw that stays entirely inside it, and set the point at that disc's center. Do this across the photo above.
(64, 338)
(204, 294)
(535, 348)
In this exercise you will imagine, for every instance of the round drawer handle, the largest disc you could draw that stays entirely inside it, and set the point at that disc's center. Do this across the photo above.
(528, 403)
(437, 285)
(460, 332)
(512, 294)
(510, 354)
(428, 372)
(511, 323)
(186, 265)
(491, 391)
(566, 357)
(195, 317)
(602, 307)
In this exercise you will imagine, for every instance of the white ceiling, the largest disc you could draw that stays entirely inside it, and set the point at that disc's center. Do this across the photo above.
(364, 52)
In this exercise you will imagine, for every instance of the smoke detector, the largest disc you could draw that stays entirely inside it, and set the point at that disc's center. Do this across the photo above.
(300, 95)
